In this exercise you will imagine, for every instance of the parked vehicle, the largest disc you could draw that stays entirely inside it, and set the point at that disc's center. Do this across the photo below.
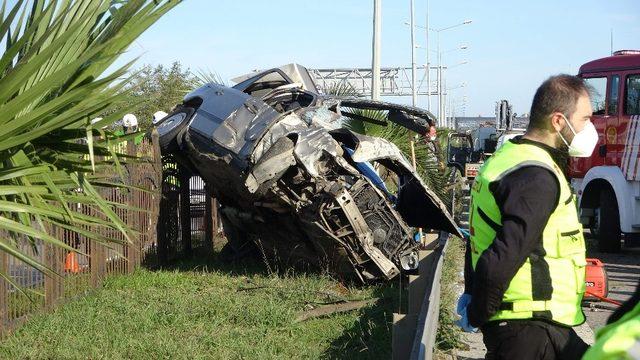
(608, 182)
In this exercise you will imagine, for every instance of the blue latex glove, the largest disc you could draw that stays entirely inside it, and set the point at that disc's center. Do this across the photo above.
(466, 235)
(463, 303)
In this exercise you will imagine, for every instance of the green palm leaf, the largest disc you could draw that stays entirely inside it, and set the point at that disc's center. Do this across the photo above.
(52, 81)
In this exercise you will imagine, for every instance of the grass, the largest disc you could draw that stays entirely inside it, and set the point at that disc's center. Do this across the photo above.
(205, 309)
(18, 304)
(449, 335)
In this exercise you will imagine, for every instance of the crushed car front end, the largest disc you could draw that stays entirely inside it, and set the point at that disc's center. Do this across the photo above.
(296, 184)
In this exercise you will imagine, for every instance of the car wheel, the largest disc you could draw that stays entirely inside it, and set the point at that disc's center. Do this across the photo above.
(608, 222)
(171, 125)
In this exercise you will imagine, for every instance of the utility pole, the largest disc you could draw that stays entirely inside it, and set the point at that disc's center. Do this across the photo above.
(428, 69)
(375, 58)
(443, 77)
(414, 91)
(441, 121)
(441, 107)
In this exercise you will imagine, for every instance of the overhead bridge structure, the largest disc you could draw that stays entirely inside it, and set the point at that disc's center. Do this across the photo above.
(394, 81)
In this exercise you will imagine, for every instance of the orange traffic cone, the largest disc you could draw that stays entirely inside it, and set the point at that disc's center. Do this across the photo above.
(71, 263)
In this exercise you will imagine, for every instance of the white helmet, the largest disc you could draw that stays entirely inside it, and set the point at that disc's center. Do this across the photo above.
(157, 116)
(129, 120)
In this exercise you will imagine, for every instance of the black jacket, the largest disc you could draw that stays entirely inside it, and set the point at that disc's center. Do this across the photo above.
(526, 198)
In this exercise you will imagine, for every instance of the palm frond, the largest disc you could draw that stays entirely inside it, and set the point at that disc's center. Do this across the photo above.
(52, 82)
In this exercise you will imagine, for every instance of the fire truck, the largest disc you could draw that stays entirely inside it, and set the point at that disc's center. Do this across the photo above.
(608, 183)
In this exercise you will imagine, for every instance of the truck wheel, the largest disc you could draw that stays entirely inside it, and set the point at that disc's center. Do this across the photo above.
(608, 229)
(595, 224)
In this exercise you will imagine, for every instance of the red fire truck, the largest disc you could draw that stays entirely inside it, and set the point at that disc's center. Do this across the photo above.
(608, 182)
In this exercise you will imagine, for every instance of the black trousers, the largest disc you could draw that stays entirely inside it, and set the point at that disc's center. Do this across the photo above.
(531, 339)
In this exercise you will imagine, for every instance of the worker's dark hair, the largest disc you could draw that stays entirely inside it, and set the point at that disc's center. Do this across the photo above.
(558, 93)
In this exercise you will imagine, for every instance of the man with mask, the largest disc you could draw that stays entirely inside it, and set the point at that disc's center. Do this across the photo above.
(433, 147)
(525, 263)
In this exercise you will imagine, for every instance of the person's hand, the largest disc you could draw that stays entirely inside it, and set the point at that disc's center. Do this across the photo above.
(463, 304)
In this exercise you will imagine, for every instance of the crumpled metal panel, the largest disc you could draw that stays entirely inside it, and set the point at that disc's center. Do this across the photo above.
(295, 72)
(315, 144)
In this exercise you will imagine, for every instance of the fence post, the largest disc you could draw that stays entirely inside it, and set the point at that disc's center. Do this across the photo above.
(208, 219)
(157, 158)
(163, 239)
(185, 210)
(133, 221)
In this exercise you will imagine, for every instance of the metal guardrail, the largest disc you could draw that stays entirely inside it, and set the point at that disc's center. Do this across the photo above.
(427, 325)
(414, 333)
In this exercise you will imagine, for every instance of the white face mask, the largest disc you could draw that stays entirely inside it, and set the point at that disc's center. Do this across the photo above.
(583, 142)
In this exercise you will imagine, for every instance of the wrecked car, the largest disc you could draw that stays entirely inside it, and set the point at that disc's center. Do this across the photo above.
(293, 182)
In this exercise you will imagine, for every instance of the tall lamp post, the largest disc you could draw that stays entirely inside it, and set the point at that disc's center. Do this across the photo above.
(440, 86)
(450, 111)
(445, 94)
(426, 39)
(375, 56)
(414, 91)
(428, 67)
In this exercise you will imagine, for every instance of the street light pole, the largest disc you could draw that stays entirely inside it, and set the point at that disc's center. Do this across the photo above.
(375, 58)
(414, 92)
(426, 31)
(441, 107)
(440, 120)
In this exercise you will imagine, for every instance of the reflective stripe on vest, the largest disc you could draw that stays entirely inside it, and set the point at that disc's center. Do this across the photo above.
(550, 283)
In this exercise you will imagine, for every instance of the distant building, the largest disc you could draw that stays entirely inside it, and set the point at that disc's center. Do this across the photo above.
(470, 123)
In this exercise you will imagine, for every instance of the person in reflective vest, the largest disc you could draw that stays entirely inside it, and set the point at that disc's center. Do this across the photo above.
(525, 263)
(620, 339)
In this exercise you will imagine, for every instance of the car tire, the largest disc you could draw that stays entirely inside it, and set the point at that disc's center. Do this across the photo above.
(170, 127)
(608, 232)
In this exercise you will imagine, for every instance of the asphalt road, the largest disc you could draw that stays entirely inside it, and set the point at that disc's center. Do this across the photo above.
(623, 271)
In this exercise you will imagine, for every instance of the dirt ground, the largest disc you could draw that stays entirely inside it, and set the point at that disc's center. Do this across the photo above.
(623, 272)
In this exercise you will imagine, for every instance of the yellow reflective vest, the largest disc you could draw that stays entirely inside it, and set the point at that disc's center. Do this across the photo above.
(618, 340)
(563, 242)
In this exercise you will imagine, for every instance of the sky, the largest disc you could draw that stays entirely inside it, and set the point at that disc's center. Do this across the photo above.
(512, 45)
